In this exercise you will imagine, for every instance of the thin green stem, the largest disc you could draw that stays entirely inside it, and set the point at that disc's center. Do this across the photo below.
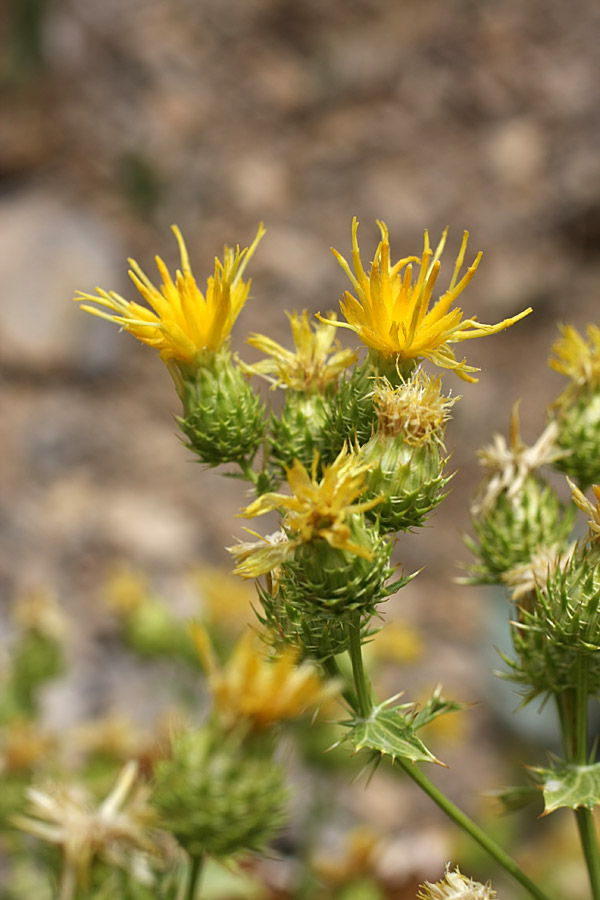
(196, 864)
(331, 668)
(478, 835)
(573, 716)
(589, 844)
(364, 706)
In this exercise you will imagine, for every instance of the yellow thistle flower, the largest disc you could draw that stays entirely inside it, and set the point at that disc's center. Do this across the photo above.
(257, 690)
(182, 321)
(316, 509)
(308, 369)
(224, 599)
(392, 315)
(455, 886)
(576, 358)
(115, 830)
(23, 745)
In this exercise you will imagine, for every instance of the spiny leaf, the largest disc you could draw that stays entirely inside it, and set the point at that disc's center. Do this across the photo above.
(436, 705)
(390, 733)
(566, 784)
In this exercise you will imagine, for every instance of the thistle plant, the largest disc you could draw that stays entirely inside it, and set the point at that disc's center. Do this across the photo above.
(355, 458)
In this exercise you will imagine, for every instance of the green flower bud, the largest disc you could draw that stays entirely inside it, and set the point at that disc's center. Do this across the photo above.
(217, 798)
(511, 532)
(579, 436)
(320, 579)
(409, 479)
(223, 418)
(406, 457)
(557, 631)
(352, 413)
(319, 635)
(301, 430)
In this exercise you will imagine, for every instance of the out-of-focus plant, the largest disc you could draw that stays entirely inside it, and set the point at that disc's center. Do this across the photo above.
(355, 458)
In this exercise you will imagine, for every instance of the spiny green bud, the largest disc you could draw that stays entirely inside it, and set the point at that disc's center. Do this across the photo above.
(321, 578)
(516, 512)
(579, 436)
(352, 414)
(223, 418)
(301, 429)
(512, 531)
(217, 798)
(557, 632)
(406, 456)
(319, 635)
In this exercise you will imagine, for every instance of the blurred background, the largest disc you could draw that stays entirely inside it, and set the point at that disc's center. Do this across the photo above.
(121, 117)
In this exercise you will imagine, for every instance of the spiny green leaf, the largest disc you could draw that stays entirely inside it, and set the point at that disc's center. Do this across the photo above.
(389, 732)
(566, 784)
(436, 705)
(515, 798)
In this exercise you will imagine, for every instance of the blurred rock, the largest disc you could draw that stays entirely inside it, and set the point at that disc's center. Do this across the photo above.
(49, 248)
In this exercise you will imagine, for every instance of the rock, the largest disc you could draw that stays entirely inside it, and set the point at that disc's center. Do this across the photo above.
(49, 249)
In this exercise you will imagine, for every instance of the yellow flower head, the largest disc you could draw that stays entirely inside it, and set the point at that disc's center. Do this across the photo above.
(317, 509)
(308, 369)
(182, 321)
(576, 358)
(392, 315)
(258, 690)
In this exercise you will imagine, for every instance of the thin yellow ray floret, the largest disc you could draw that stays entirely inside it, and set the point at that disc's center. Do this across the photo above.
(180, 321)
(254, 688)
(315, 509)
(318, 359)
(393, 314)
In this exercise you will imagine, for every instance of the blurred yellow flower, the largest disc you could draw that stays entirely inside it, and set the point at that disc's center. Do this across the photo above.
(576, 358)
(258, 690)
(23, 745)
(398, 642)
(308, 369)
(392, 315)
(224, 599)
(182, 321)
(316, 509)
(126, 590)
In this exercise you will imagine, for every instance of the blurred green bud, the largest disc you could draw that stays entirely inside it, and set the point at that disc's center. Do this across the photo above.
(579, 437)
(513, 531)
(217, 798)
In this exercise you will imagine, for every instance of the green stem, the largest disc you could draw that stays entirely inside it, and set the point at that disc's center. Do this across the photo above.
(331, 668)
(464, 822)
(573, 716)
(196, 863)
(364, 708)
